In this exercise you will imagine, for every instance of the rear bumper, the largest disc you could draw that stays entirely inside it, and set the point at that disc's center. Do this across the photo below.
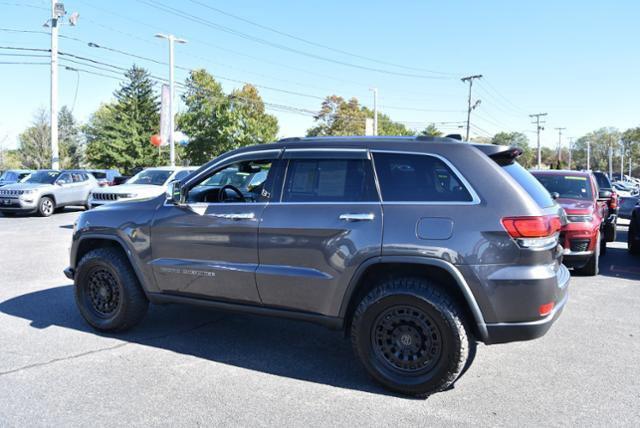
(518, 331)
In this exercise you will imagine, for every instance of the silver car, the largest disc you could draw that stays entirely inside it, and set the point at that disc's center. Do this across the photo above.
(45, 191)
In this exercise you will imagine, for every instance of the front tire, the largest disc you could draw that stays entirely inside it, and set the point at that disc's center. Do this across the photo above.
(411, 337)
(46, 206)
(632, 242)
(108, 292)
(592, 268)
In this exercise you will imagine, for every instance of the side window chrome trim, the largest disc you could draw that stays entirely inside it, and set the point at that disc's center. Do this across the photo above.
(475, 199)
(223, 162)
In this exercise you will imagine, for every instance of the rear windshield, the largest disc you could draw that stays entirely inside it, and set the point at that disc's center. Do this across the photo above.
(530, 184)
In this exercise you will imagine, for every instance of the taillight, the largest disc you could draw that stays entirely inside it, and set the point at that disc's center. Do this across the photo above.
(533, 231)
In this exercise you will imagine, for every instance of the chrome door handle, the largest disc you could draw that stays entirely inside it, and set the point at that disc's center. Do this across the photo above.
(357, 217)
(235, 216)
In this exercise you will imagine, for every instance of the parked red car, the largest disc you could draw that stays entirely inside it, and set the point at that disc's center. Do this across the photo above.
(586, 209)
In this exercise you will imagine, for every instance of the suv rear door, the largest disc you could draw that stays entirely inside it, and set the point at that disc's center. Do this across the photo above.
(323, 223)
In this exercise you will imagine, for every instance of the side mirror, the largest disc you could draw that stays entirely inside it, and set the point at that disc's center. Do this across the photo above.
(174, 193)
(604, 195)
(555, 195)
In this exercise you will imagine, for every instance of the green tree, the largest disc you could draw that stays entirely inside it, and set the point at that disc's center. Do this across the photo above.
(118, 133)
(601, 140)
(338, 116)
(528, 158)
(431, 131)
(35, 142)
(69, 139)
(216, 122)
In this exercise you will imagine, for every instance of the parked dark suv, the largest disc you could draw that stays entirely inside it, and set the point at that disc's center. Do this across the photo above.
(418, 247)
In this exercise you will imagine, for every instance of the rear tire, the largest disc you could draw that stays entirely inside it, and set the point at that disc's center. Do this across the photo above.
(592, 268)
(108, 292)
(46, 206)
(411, 337)
(632, 243)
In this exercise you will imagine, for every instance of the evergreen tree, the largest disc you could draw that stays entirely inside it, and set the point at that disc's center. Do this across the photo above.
(69, 140)
(35, 142)
(118, 133)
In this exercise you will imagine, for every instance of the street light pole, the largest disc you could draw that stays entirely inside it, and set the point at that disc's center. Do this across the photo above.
(621, 160)
(172, 39)
(588, 155)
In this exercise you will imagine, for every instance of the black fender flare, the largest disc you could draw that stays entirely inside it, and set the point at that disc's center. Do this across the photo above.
(117, 239)
(464, 288)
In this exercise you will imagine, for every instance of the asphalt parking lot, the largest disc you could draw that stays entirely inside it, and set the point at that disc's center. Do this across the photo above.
(185, 366)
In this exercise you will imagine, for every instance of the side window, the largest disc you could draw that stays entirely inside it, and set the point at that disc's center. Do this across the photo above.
(418, 178)
(65, 178)
(77, 177)
(239, 182)
(182, 174)
(329, 180)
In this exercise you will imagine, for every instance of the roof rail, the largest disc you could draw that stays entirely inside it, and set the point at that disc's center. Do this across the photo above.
(284, 140)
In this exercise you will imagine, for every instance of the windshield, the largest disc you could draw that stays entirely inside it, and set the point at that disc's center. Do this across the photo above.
(529, 184)
(9, 176)
(42, 177)
(156, 177)
(567, 186)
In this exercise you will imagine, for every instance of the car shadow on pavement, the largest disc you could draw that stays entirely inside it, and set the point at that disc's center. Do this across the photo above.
(618, 262)
(279, 347)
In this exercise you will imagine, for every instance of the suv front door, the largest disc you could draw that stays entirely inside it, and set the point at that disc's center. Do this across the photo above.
(208, 246)
(316, 232)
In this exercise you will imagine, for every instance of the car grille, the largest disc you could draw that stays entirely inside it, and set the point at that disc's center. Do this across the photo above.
(11, 192)
(106, 196)
(579, 245)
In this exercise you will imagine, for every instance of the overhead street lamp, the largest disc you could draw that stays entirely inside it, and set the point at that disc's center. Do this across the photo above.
(172, 39)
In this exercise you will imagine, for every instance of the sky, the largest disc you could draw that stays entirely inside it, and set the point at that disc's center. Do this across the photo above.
(576, 60)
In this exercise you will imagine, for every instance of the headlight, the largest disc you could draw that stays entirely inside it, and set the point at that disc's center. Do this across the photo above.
(128, 195)
(579, 218)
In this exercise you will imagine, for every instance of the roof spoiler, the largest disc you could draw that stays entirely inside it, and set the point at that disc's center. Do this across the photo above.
(503, 155)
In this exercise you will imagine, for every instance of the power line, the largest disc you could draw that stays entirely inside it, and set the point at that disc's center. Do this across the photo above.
(173, 11)
(316, 44)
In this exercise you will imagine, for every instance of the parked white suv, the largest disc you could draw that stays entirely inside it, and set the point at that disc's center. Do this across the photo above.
(147, 183)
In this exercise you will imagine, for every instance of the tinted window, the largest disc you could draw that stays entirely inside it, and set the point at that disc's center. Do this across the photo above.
(529, 183)
(151, 176)
(329, 180)
(9, 176)
(408, 178)
(603, 180)
(182, 174)
(43, 177)
(567, 186)
(99, 175)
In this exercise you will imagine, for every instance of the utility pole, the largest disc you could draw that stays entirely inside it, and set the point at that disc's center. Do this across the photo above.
(570, 150)
(172, 149)
(57, 11)
(375, 110)
(621, 160)
(539, 128)
(560, 144)
(610, 162)
(469, 106)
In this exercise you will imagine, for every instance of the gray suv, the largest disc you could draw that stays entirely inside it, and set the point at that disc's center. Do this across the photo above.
(417, 247)
(45, 191)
